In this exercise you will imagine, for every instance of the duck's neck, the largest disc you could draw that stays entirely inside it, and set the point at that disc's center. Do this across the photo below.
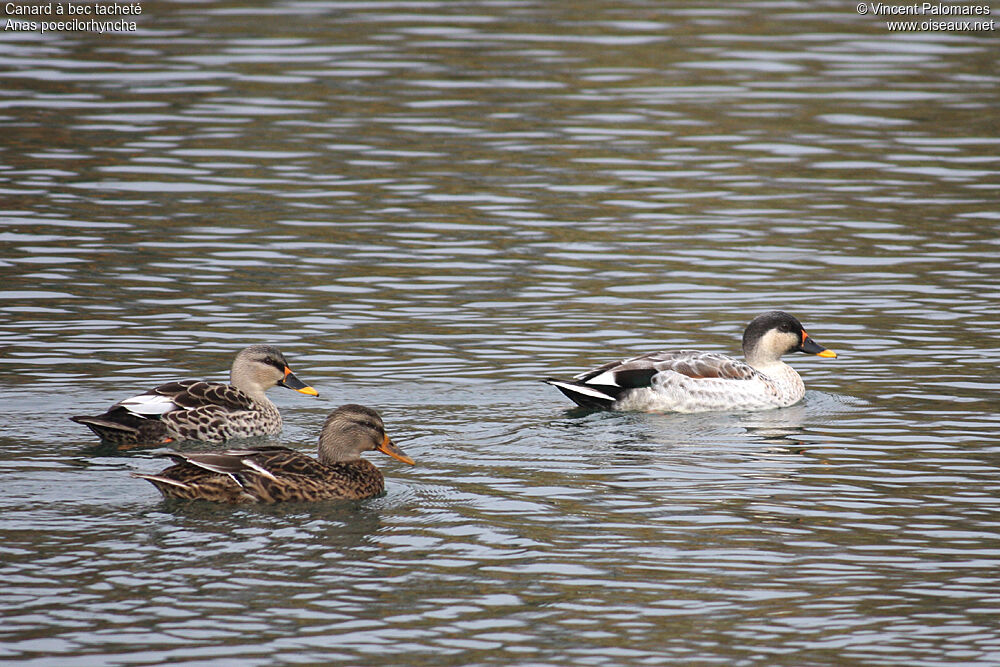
(765, 354)
(255, 392)
(766, 364)
(338, 447)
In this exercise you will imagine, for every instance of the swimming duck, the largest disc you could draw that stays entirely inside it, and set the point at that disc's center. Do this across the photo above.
(693, 381)
(208, 411)
(273, 474)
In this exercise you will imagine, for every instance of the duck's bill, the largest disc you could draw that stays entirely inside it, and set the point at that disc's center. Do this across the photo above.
(390, 448)
(298, 385)
(809, 346)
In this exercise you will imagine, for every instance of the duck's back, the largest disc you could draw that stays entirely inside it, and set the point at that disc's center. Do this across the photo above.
(265, 474)
(216, 412)
(293, 476)
(701, 382)
(187, 481)
(184, 410)
(694, 381)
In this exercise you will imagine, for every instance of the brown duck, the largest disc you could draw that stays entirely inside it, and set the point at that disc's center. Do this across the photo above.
(275, 474)
(208, 411)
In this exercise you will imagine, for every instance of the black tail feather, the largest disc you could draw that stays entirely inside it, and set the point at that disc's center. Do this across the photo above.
(583, 395)
(121, 428)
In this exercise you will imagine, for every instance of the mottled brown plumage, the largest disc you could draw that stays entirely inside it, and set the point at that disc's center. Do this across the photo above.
(207, 411)
(277, 474)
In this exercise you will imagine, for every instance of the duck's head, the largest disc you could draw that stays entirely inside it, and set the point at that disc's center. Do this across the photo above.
(776, 333)
(353, 429)
(259, 367)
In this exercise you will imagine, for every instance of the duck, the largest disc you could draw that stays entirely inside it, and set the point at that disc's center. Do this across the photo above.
(695, 381)
(199, 410)
(272, 474)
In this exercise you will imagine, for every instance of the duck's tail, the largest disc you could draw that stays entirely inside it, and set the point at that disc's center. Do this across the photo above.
(121, 428)
(586, 396)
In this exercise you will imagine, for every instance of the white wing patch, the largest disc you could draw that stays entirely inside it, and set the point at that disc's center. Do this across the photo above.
(582, 389)
(605, 378)
(164, 480)
(149, 404)
(263, 471)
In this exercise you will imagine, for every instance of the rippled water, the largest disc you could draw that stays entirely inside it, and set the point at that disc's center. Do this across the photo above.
(428, 206)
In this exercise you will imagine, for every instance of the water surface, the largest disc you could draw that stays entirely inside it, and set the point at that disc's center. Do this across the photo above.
(428, 207)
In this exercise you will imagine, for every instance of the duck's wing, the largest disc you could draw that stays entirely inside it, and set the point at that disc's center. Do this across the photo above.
(263, 474)
(237, 461)
(156, 402)
(187, 395)
(706, 365)
(602, 386)
(267, 474)
(136, 420)
(189, 408)
(201, 477)
(639, 371)
(139, 421)
(278, 462)
(280, 474)
(297, 477)
(188, 482)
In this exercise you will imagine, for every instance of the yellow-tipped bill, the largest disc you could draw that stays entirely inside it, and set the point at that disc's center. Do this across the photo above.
(298, 385)
(809, 346)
